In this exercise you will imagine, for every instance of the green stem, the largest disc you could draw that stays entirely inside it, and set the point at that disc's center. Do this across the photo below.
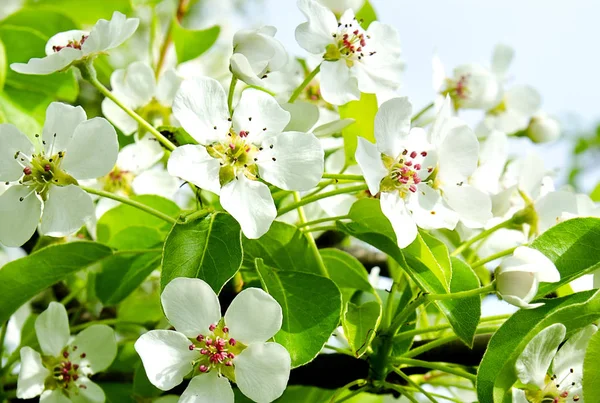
(441, 341)
(412, 333)
(321, 228)
(130, 202)
(343, 176)
(89, 74)
(234, 81)
(462, 294)
(386, 321)
(113, 322)
(480, 236)
(309, 237)
(322, 220)
(415, 385)
(358, 382)
(405, 313)
(493, 257)
(304, 83)
(196, 214)
(339, 350)
(404, 391)
(2, 337)
(422, 112)
(311, 199)
(437, 366)
(71, 295)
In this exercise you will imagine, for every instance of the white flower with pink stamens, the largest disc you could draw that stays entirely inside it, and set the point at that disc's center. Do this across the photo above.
(62, 374)
(399, 166)
(45, 173)
(214, 348)
(354, 60)
(66, 48)
(237, 150)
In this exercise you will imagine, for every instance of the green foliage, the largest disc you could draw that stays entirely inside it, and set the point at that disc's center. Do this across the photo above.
(311, 310)
(496, 373)
(366, 14)
(346, 272)
(84, 12)
(363, 112)
(591, 370)
(360, 325)
(209, 249)
(189, 44)
(22, 279)
(573, 247)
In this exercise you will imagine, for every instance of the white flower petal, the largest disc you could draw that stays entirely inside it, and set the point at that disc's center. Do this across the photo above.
(259, 114)
(193, 164)
(338, 86)
(517, 287)
(241, 68)
(263, 52)
(157, 182)
(570, 356)
(458, 155)
(62, 120)
(394, 208)
(251, 204)
(118, 117)
(89, 392)
(295, 162)
(429, 210)
(106, 35)
(303, 116)
(315, 34)
(52, 329)
(140, 84)
(19, 218)
(208, 388)
(62, 39)
(501, 59)
(54, 396)
(534, 362)
(523, 99)
(49, 64)
(66, 210)
(96, 348)
(535, 261)
(190, 305)
(32, 374)
(392, 124)
(93, 150)
(473, 206)
(166, 357)
(519, 396)
(369, 160)
(141, 155)
(262, 371)
(253, 316)
(168, 84)
(551, 207)
(200, 105)
(12, 141)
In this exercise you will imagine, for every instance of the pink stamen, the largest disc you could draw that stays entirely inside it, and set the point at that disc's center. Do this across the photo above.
(200, 337)
(424, 153)
(27, 171)
(191, 347)
(232, 342)
(413, 154)
(413, 188)
(232, 146)
(203, 368)
(225, 329)
(243, 133)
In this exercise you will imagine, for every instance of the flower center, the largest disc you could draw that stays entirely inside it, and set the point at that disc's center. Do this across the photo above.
(217, 350)
(236, 155)
(458, 89)
(351, 43)
(71, 44)
(65, 371)
(561, 390)
(403, 172)
(118, 181)
(42, 170)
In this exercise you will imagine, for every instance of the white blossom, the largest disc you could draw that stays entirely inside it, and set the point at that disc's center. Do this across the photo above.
(216, 349)
(66, 48)
(45, 173)
(543, 128)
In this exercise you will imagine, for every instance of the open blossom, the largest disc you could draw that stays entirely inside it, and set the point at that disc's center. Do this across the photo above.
(354, 60)
(256, 53)
(235, 151)
(66, 48)
(519, 276)
(137, 88)
(551, 373)
(62, 374)
(399, 166)
(45, 172)
(216, 349)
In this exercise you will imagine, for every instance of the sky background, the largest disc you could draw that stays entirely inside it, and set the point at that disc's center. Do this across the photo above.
(555, 42)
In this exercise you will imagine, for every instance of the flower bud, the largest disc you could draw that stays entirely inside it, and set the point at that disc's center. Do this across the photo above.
(518, 278)
(543, 129)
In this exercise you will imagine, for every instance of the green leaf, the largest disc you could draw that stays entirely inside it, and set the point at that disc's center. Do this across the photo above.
(141, 307)
(189, 43)
(371, 226)
(595, 195)
(136, 237)
(311, 310)
(366, 15)
(13, 113)
(117, 392)
(284, 247)
(3, 65)
(434, 255)
(496, 373)
(346, 272)
(84, 12)
(591, 370)
(209, 249)
(466, 311)
(574, 248)
(124, 216)
(22, 279)
(360, 323)
(141, 384)
(47, 22)
(122, 273)
(363, 112)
